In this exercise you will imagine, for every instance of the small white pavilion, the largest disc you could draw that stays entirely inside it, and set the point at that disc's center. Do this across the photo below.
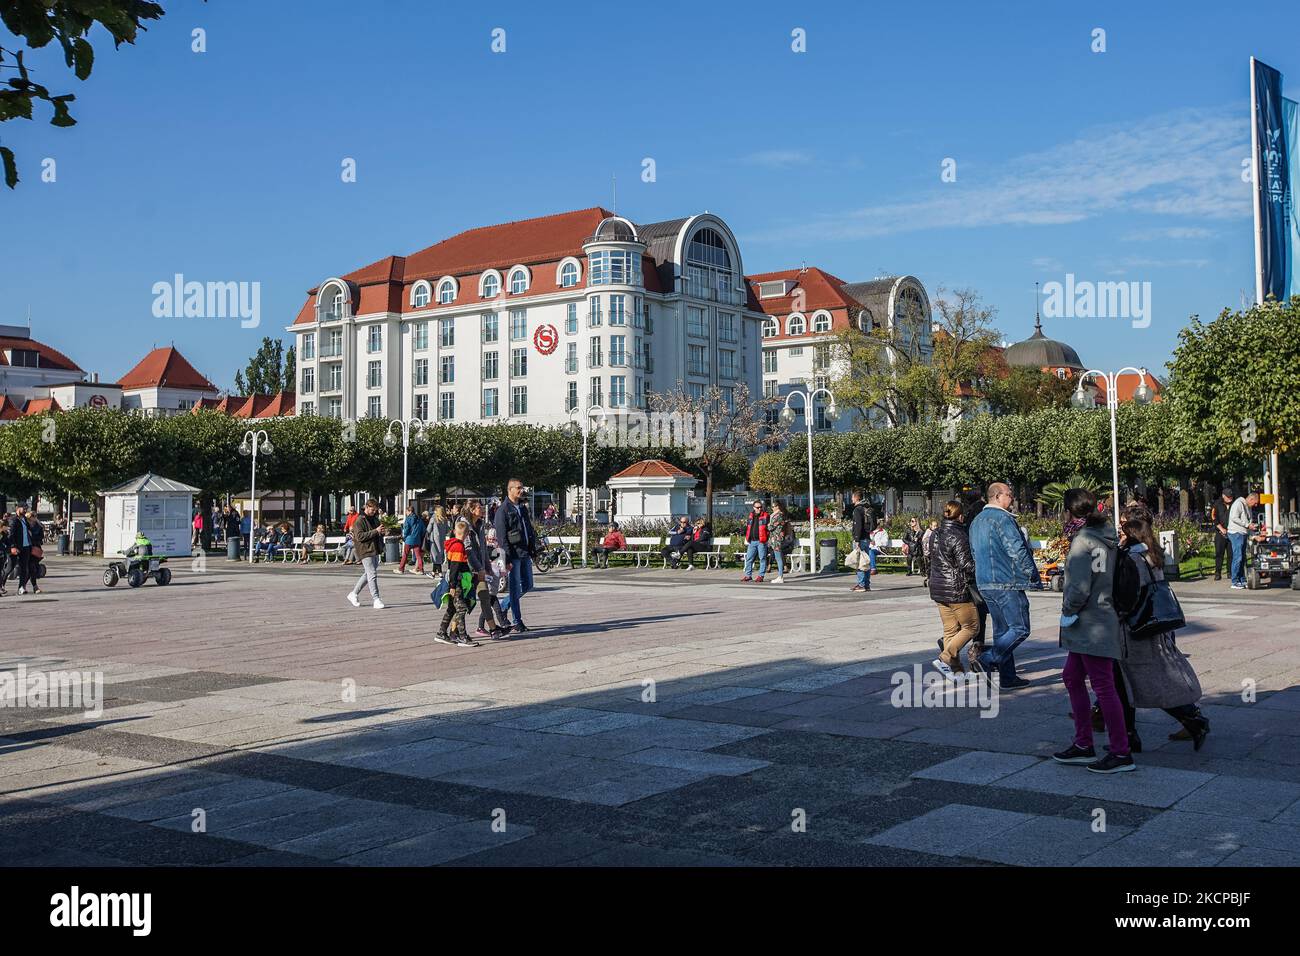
(651, 489)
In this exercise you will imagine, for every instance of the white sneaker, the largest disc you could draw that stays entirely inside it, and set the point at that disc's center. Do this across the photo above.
(943, 668)
(398, 571)
(778, 580)
(24, 590)
(378, 605)
(352, 599)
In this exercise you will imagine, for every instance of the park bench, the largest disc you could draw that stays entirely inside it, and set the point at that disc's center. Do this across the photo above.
(801, 556)
(713, 558)
(894, 555)
(640, 550)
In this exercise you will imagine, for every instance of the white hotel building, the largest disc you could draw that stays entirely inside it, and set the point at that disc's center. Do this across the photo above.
(529, 320)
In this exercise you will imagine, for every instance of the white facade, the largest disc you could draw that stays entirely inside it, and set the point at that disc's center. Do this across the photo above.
(83, 394)
(595, 336)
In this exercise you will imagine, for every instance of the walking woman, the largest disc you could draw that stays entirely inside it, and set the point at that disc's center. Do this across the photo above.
(439, 530)
(1091, 632)
(952, 571)
(1156, 672)
(491, 621)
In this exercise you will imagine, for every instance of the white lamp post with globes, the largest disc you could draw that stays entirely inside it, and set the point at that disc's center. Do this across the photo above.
(252, 443)
(406, 426)
(586, 416)
(1143, 395)
(788, 416)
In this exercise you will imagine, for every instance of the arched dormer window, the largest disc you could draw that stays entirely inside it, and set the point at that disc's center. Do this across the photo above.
(446, 292)
(821, 321)
(771, 327)
(518, 281)
(569, 275)
(490, 287)
(866, 322)
(796, 325)
(420, 295)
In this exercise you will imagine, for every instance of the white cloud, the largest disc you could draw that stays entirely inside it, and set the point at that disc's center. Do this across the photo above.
(780, 158)
(1172, 233)
(1186, 164)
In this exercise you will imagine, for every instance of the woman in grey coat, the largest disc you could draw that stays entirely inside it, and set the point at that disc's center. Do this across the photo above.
(1156, 673)
(1090, 631)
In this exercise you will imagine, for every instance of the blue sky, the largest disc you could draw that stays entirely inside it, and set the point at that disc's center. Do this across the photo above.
(1122, 165)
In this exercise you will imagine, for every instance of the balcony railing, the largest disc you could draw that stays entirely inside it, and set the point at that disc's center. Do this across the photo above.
(331, 351)
(571, 365)
(618, 360)
(594, 361)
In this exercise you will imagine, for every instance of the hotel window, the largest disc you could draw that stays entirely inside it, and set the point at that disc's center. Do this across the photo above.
(518, 362)
(375, 338)
(490, 327)
(618, 310)
(518, 324)
(821, 322)
(697, 361)
(375, 374)
(726, 363)
(593, 355)
(490, 408)
(695, 323)
(446, 405)
(336, 309)
(618, 350)
(571, 396)
(518, 282)
(796, 352)
(334, 378)
(638, 312)
(308, 408)
(375, 407)
(308, 381)
(490, 366)
(727, 327)
(420, 336)
(770, 327)
(695, 390)
(571, 318)
(422, 407)
(728, 397)
(446, 333)
(822, 356)
(769, 360)
(639, 399)
(795, 325)
(421, 372)
(334, 408)
(571, 357)
(593, 310)
(309, 345)
(569, 275)
(615, 268)
(333, 346)
(491, 286)
(770, 388)
(519, 400)
(446, 292)
(421, 297)
(618, 391)
(594, 393)
(447, 370)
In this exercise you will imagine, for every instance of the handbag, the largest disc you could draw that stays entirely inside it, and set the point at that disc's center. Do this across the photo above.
(976, 598)
(1158, 611)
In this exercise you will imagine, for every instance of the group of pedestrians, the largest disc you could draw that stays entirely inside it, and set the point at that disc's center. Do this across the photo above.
(22, 537)
(1233, 517)
(1117, 616)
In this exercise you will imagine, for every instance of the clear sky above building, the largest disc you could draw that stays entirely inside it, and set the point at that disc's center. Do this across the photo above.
(1122, 165)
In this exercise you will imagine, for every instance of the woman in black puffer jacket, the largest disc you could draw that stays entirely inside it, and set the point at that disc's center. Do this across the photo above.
(952, 571)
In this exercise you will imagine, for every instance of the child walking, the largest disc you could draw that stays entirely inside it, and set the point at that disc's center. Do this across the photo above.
(460, 581)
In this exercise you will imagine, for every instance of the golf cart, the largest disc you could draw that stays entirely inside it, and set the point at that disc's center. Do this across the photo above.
(1277, 558)
(137, 571)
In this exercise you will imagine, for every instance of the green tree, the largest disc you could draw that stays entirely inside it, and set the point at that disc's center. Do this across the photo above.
(1022, 390)
(269, 371)
(36, 23)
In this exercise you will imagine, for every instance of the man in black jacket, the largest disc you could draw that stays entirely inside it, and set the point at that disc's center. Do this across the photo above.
(1219, 515)
(367, 539)
(863, 524)
(678, 540)
(518, 542)
(25, 533)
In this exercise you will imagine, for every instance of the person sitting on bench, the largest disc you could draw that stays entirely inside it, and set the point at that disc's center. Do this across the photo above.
(613, 541)
(678, 539)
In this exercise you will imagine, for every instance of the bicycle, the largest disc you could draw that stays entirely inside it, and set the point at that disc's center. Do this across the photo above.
(550, 556)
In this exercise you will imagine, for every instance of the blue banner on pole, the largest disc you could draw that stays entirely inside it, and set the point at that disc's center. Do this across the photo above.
(1275, 146)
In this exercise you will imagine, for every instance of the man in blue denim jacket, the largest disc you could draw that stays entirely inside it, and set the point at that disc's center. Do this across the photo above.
(1004, 571)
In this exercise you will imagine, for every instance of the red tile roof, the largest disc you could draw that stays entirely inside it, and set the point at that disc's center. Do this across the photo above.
(249, 406)
(8, 410)
(540, 244)
(653, 468)
(49, 358)
(38, 406)
(1125, 386)
(815, 290)
(165, 367)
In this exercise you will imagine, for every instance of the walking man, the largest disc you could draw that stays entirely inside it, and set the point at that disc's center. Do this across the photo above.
(413, 531)
(367, 538)
(1239, 528)
(25, 534)
(1219, 515)
(1004, 571)
(863, 522)
(517, 541)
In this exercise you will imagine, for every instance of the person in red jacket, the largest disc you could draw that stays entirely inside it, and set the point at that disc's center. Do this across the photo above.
(613, 541)
(756, 542)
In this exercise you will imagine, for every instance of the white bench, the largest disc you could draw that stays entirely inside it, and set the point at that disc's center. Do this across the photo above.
(801, 557)
(713, 558)
(894, 556)
(640, 550)
(567, 544)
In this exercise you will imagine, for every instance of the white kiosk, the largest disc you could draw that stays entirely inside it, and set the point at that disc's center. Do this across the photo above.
(651, 489)
(163, 509)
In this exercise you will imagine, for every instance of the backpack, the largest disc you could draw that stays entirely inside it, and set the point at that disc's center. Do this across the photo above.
(1128, 584)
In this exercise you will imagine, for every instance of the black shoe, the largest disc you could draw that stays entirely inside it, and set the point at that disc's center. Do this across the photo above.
(520, 629)
(500, 634)
(1076, 754)
(443, 638)
(1134, 743)
(1197, 728)
(1218, 577)
(462, 640)
(1113, 763)
(1015, 683)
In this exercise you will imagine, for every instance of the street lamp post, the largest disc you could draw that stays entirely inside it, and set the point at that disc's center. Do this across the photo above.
(1143, 395)
(787, 416)
(253, 442)
(406, 426)
(586, 430)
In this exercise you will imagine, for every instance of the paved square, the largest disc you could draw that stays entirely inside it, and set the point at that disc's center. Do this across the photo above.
(252, 717)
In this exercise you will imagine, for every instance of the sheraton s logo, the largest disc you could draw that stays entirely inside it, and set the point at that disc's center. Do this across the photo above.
(546, 339)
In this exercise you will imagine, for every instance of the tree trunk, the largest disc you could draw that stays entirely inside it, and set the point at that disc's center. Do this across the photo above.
(708, 496)
(99, 525)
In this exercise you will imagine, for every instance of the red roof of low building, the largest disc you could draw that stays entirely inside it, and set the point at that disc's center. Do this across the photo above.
(1125, 385)
(653, 468)
(815, 289)
(165, 367)
(8, 410)
(49, 357)
(38, 406)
